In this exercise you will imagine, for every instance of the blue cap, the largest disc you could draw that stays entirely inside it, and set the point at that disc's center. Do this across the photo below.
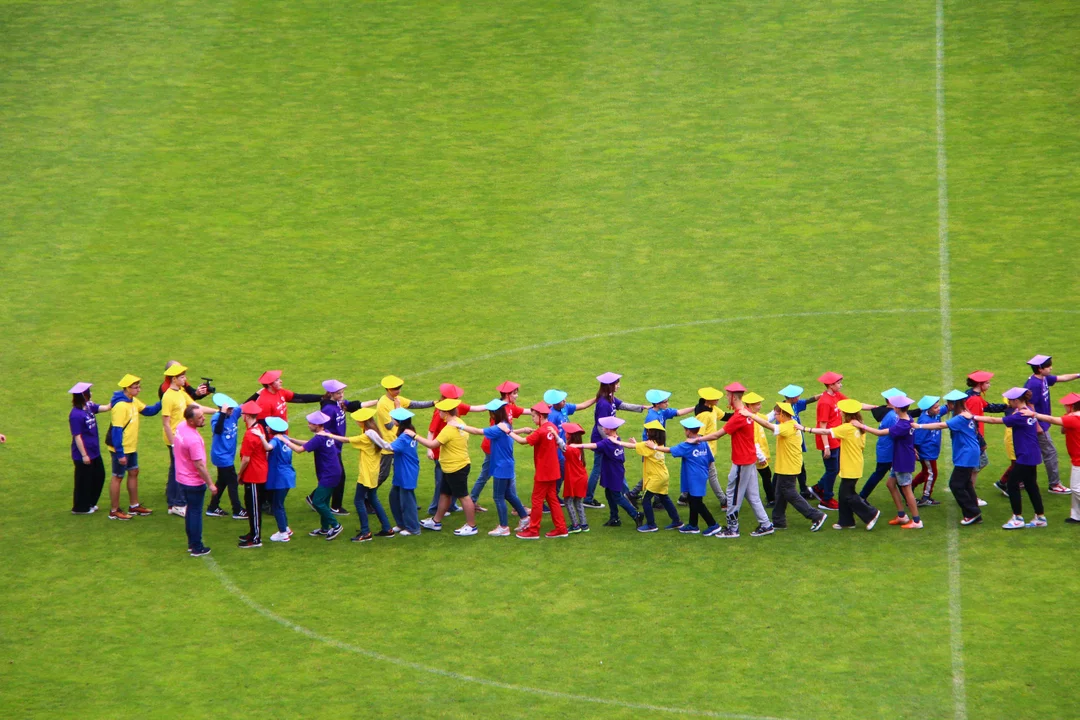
(554, 397)
(955, 395)
(792, 391)
(691, 423)
(927, 401)
(494, 405)
(223, 400)
(657, 396)
(277, 424)
(891, 392)
(401, 414)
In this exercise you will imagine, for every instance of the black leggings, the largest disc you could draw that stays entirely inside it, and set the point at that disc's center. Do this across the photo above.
(802, 479)
(1029, 476)
(338, 495)
(697, 507)
(963, 492)
(89, 479)
(767, 483)
(226, 480)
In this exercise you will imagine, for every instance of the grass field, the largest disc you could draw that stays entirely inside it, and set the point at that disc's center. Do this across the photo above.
(686, 193)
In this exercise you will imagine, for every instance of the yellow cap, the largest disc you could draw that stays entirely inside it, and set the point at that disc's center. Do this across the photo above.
(391, 381)
(175, 370)
(363, 414)
(128, 380)
(849, 406)
(786, 407)
(709, 393)
(654, 425)
(447, 404)
(751, 397)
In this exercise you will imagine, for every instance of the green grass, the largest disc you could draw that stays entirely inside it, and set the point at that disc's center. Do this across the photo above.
(470, 192)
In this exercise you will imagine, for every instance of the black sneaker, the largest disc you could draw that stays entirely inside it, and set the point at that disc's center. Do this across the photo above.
(334, 532)
(317, 532)
(635, 500)
(763, 530)
(385, 533)
(657, 503)
(1072, 521)
(683, 500)
(1000, 486)
(307, 499)
(926, 501)
(771, 503)
(339, 511)
(591, 503)
(199, 553)
(613, 523)
(806, 495)
(249, 543)
(361, 537)
(216, 512)
(242, 515)
(640, 520)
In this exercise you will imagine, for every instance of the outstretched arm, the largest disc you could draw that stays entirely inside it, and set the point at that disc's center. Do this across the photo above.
(712, 436)
(1028, 412)
(988, 420)
(867, 429)
(586, 404)
(583, 446)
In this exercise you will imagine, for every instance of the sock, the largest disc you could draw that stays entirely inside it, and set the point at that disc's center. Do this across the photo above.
(916, 519)
(900, 513)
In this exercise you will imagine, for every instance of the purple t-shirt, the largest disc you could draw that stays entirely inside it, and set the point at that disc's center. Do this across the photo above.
(327, 460)
(903, 454)
(83, 422)
(612, 470)
(1025, 439)
(603, 408)
(1040, 395)
(337, 421)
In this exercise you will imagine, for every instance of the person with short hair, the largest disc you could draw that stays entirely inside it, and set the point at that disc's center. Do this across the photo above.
(1070, 427)
(189, 449)
(386, 404)
(793, 395)
(123, 443)
(274, 398)
(852, 435)
(1039, 384)
(173, 403)
(828, 416)
(545, 441)
(452, 441)
(447, 391)
(194, 392)
(697, 459)
(789, 460)
(254, 467)
(85, 449)
(928, 447)
(225, 431)
(406, 474)
(280, 476)
(561, 410)
(965, 453)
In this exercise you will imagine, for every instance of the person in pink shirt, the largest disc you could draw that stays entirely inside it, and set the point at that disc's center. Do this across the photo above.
(189, 449)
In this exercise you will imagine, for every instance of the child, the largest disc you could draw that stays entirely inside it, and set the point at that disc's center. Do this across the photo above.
(1070, 426)
(545, 441)
(452, 442)
(655, 477)
(406, 472)
(327, 472)
(753, 403)
(280, 476)
(1028, 457)
(978, 383)
(899, 483)
(851, 434)
(508, 392)
(610, 456)
(697, 458)
(789, 463)
(883, 450)
(252, 472)
(793, 393)
(606, 405)
(86, 450)
(928, 447)
(661, 413)
(123, 440)
(575, 477)
(224, 430)
(500, 438)
(370, 443)
(709, 416)
(965, 454)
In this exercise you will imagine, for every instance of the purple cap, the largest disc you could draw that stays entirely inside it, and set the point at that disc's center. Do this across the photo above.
(900, 401)
(318, 418)
(332, 386)
(1014, 393)
(611, 422)
(80, 388)
(1039, 360)
(608, 378)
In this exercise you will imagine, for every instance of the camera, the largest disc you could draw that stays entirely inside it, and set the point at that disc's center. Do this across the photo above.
(209, 382)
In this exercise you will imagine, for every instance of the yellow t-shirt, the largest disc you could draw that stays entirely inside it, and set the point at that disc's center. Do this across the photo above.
(762, 442)
(455, 448)
(173, 403)
(383, 408)
(708, 425)
(126, 415)
(789, 458)
(1009, 449)
(654, 472)
(852, 442)
(369, 460)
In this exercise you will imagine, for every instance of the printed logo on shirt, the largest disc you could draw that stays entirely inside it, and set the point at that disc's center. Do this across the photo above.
(699, 452)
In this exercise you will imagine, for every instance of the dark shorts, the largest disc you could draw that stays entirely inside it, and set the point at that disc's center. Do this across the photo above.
(455, 484)
(132, 464)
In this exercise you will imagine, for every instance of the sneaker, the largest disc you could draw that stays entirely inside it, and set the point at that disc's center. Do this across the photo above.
(838, 526)
(982, 503)
(339, 511)
(1001, 486)
(178, 510)
(899, 520)
(465, 530)
(216, 512)
(634, 499)
(728, 533)
(279, 537)
(1059, 489)
(479, 508)
(317, 532)
(249, 543)
(873, 521)
(522, 524)
(385, 533)
(771, 503)
(288, 531)
(1072, 521)
(815, 493)
(595, 505)
(85, 512)
(361, 537)
(829, 504)
(820, 522)
(1036, 522)
(310, 503)
(574, 529)
(430, 524)
(639, 520)
(334, 532)
(118, 515)
(616, 522)
(807, 495)
(93, 508)
(405, 533)
(528, 535)
(199, 553)
(556, 534)
(763, 530)
(912, 525)
(139, 509)
(683, 500)
(689, 529)
(973, 521)
(1015, 523)
(925, 501)
(242, 515)
(712, 530)
(673, 526)
(502, 531)
(585, 527)
(244, 537)
(647, 528)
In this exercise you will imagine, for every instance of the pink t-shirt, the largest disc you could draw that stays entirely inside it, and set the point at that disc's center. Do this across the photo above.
(188, 448)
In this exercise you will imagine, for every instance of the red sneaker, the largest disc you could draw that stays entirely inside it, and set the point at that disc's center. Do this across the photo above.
(528, 535)
(899, 520)
(829, 504)
(555, 534)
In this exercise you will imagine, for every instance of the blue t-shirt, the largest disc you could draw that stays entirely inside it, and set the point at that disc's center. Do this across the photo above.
(965, 442)
(884, 446)
(223, 444)
(694, 475)
(928, 442)
(280, 473)
(661, 415)
(406, 462)
(903, 437)
(502, 452)
(558, 417)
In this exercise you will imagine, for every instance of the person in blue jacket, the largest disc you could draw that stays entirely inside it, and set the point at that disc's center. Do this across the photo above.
(406, 472)
(123, 443)
(223, 456)
(928, 447)
(886, 418)
(280, 476)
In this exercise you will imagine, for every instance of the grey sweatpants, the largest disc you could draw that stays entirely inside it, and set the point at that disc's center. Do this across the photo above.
(714, 483)
(576, 508)
(743, 483)
(1050, 458)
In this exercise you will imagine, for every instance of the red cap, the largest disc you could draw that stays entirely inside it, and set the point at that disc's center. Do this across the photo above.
(251, 408)
(508, 387)
(540, 407)
(1070, 399)
(449, 390)
(571, 428)
(980, 376)
(269, 376)
(735, 387)
(830, 377)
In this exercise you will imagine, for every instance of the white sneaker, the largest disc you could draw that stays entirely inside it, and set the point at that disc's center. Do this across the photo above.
(501, 531)
(280, 537)
(466, 529)
(403, 533)
(524, 523)
(1014, 523)
(288, 531)
(396, 529)
(982, 503)
(430, 524)
(94, 508)
(178, 510)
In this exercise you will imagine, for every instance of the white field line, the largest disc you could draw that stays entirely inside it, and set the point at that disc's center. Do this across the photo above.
(229, 585)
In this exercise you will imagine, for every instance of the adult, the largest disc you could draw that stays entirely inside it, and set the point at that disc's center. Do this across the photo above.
(508, 393)
(274, 397)
(189, 449)
(453, 443)
(85, 449)
(545, 441)
(123, 443)
(384, 406)
(194, 392)
(606, 405)
(1039, 384)
(173, 403)
(978, 383)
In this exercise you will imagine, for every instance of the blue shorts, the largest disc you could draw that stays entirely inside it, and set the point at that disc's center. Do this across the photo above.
(118, 470)
(903, 479)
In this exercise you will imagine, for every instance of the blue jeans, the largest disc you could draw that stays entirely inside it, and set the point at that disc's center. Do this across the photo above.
(618, 500)
(877, 476)
(403, 508)
(594, 476)
(193, 497)
(481, 481)
(646, 507)
(277, 504)
(832, 468)
(435, 496)
(174, 495)
(371, 495)
(505, 492)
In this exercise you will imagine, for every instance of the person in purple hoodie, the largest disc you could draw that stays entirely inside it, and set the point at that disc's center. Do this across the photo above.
(607, 404)
(1039, 384)
(86, 449)
(902, 435)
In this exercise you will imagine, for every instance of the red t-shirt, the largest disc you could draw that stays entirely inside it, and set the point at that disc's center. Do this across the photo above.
(975, 404)
(544, 440)
(1070, 425)
(252, 447)
(513, 412)
(436, 425)
(576, 481)
(828, 413)
(274, 404)
(741, 430)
